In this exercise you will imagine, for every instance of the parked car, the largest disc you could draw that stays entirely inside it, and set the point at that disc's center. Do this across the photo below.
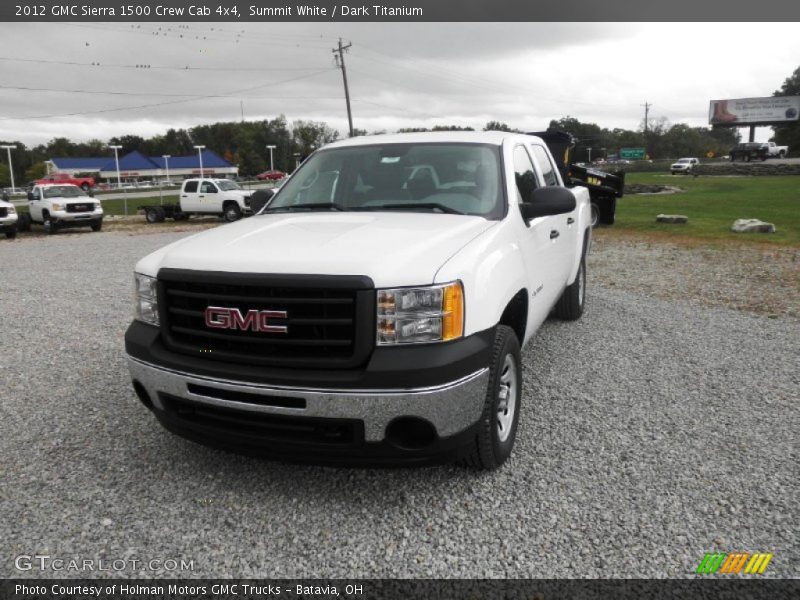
(684, 165)
(8, 218)
(270, 175)
(61, 206)
(203, 197)
(85, 183)
(364, 316)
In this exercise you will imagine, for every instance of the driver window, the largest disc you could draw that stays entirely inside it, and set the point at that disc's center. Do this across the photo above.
(208, 188)
(524, 174)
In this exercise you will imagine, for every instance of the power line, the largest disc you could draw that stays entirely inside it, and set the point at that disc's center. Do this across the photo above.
(153, 67)
(157, 104)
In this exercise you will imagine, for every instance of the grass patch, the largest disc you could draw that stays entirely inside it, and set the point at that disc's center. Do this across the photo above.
(713, 204)
(117, 206)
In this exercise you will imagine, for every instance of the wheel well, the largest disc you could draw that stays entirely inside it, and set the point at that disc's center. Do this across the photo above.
(515, 314)
(227, 203)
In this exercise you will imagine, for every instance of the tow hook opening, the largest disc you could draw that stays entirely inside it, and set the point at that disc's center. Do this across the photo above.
(410, 433)
(142, 394)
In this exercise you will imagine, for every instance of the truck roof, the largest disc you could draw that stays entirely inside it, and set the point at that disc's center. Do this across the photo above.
(475, 137)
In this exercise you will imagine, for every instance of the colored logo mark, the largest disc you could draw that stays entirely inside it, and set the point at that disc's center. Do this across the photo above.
(737, 562)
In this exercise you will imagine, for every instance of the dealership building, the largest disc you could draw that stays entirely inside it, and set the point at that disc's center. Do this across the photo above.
(137, 166)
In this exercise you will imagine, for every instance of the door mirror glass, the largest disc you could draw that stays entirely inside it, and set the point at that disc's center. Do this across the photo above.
(547, 201)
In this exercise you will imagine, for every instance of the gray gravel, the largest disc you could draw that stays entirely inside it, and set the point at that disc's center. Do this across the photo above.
(653, 431)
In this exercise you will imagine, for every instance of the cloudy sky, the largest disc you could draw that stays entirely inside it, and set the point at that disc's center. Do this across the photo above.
(86, 81)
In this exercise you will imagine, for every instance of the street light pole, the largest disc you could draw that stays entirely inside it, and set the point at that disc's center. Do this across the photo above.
(166, 158)
(271, 164)
(10, 166)
(200, 154)
(119, 179)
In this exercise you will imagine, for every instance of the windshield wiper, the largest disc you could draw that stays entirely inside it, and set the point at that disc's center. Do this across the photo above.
(414, 206)
(309, 206)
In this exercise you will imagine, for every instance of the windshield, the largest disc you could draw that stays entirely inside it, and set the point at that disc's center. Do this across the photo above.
(431, 177)
(227, 186)
(685, 160)
(63, 191)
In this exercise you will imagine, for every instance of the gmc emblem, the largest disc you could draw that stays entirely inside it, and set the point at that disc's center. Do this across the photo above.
(219, 317)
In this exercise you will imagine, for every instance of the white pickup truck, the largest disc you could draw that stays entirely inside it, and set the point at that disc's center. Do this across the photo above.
(202, 196)
(60, 206)
(371, 312)
(775, 151)
(8, 218)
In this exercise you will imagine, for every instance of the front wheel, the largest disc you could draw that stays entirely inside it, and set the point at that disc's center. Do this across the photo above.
(50, 225)
(24, 222)
(232, 212)
(570, 306)
(85, 186)
(97, 224)
(497, 427)
(595, 215)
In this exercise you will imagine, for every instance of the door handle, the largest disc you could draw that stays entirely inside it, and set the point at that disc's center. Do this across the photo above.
(570, 220)
(201, 196)
(554, 234)
(184, 196)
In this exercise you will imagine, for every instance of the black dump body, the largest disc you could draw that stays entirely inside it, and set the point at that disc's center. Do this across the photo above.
(604, 186)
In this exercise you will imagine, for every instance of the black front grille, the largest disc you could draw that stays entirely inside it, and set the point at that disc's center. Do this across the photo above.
(3, 211)
(264, 427)
(330, 320)
(79, 208)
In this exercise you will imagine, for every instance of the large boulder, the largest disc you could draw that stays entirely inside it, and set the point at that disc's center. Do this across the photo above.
(752, 226)
(672, 219)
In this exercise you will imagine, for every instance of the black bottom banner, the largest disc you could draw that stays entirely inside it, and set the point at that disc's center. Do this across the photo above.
(399, 589)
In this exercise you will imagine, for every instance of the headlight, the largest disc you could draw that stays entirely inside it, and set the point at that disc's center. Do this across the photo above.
(12, 210)
(418, 315)
(58, 207)
(97, 206)
(146, 298)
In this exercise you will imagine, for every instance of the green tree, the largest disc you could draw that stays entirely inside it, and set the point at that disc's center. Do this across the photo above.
(5, 177)
(789, 134)
(35, 171)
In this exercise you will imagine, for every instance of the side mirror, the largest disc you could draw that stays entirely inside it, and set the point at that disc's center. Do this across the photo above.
(259, 199)
(30, 195)
(548, 201)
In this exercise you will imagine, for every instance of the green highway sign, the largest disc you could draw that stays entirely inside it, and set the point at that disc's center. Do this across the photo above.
(633, 153)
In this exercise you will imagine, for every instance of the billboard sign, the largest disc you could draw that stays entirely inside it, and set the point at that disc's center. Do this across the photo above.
(754, 111)
(632, 153)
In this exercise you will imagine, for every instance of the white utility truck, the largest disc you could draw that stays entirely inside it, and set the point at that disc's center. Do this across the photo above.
(202, 196)
(60, 206)
(374, 311)
(8, 218)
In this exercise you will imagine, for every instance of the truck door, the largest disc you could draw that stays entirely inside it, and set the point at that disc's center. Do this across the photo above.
(564, 227)
(189, 200)
(538, 248)
(35, 204)
(209, 197)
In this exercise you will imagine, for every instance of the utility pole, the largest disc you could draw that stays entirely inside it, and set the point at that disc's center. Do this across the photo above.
(646, 112)
(339, 52)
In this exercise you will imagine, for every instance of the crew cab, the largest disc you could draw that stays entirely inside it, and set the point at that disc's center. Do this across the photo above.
(8, 218)
(59, 206)
(200, 196)
(683, 165)
(775, 151)
(85, 183)
(374, 310)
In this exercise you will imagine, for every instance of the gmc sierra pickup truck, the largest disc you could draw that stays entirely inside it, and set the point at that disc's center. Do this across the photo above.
(374, 310)
(61, 206)
(8, 218)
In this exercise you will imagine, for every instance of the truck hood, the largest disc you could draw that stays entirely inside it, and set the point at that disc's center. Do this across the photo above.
(393, 248)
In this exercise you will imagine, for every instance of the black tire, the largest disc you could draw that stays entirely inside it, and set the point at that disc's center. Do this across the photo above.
(11, 233)
(231, 212)
(746, 158)
(493, 441)
(150, 215)
(781, 154)
(733, 158)
(50, 225)
(97, 224)
(85, 186)
(595, 215)
(24, 222)
(570, 306)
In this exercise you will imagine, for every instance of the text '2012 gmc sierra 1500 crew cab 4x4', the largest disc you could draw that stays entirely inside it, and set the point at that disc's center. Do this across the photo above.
(374, 310)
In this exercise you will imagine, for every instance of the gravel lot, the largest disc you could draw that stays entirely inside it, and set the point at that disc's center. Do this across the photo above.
(653, 430)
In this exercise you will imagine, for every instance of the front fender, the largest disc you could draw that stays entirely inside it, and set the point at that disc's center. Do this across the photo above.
(492, 271)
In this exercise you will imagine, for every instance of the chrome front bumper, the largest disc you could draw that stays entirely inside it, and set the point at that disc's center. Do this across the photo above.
(450, 408)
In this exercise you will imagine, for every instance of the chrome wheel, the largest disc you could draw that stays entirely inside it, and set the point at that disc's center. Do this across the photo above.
(507, 398)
